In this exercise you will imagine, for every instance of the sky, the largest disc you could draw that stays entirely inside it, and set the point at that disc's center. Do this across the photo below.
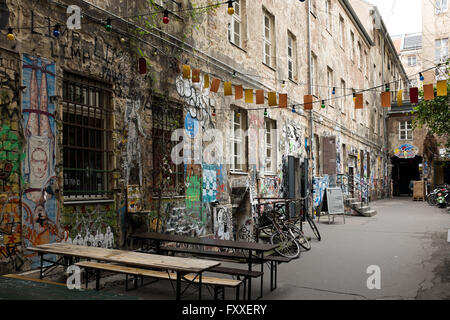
(401, 16)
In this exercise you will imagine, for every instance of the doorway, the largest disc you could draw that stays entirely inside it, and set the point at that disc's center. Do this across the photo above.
(403, 172)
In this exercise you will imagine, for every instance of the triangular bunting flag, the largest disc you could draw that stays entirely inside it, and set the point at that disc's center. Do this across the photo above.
(238, 92)
(307, 101)
(186, 71)
(272, 99)
(248, 96)
(283, 97)
(400, 98)
(441, 87)
(414, 95)
(206, 81)
(428, 92)
(227, 88)
(259, 96)
(386, 99)
(215, 85)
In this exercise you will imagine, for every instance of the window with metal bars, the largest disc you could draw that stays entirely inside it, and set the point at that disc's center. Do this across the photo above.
(166, 175)
(87, 132)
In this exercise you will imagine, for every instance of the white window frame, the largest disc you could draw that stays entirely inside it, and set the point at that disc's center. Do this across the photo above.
(292, 57)
(270, 130)
(314, 72)
(344, 98)
(352, 45)
(236, 18)
(330, 85)
(412, 61)
(328, 16)
(238, 137)
(405, 127)
(442, 49)
(359, 48)
(268, 42)
(440, 6)
(342, 31)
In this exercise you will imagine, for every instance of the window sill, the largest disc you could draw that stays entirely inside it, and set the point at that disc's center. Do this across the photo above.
(236, 46)
(239, 173)
(272, 68)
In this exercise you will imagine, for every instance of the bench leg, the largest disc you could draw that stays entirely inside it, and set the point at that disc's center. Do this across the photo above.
(237, 291)
(97, 280)
(271, 276)
(178, 293)
(200, 286)
(126, 282)
(135, 282)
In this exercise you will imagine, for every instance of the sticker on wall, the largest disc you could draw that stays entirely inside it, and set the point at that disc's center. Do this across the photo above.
(134, 195)
(191, 125)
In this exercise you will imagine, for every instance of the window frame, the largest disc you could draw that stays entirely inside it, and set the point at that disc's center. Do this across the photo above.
(292, 72)
(79, 123)
(442, 49)
(239, 140)
(268, 41)
(270, 145)
(236, 18)
(406, 130)
(438, 7)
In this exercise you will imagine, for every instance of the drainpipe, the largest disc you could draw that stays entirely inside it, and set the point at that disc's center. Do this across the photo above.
(310, 91)
(386, 171)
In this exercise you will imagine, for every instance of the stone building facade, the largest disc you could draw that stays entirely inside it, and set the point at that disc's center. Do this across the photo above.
(88, 134)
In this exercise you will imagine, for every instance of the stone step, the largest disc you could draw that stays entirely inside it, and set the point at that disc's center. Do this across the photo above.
(369, 213)
(355, 204)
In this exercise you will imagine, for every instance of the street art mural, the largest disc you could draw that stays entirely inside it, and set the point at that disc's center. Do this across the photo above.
(270, 187)
(38, 166)
(134, 128)
(89, 225)
(293, 139)
(406, 151)
(223, 223)
(209, 183)
(339, 169)
(319, 186)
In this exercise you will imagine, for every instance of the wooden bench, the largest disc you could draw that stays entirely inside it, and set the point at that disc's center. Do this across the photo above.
(273, 259)
(219, 284)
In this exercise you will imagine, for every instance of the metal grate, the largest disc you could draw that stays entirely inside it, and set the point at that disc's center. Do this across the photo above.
(86, 137)
(166, 174)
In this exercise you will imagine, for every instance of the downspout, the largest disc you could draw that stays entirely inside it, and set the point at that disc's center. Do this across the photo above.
(310, 91)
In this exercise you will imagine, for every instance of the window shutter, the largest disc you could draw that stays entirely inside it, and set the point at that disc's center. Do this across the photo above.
(329, 155)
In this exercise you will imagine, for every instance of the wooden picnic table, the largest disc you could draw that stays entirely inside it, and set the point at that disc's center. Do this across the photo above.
(182, 266)
(250, 247)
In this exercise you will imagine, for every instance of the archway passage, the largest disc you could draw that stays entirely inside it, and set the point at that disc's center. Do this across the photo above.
(403, 172)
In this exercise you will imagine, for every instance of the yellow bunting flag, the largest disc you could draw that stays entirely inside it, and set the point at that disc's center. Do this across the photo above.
(215, 85)
(186, 71)
(272, 99)
(386, 99)
(441, 88)
(259, 96)
(248, 96)
(195, 75)
(206, 81)
(238, 92)
(359, 101)
(428, 92)
(307, 102)
(283, 100)
(227, 88)
(400, 98)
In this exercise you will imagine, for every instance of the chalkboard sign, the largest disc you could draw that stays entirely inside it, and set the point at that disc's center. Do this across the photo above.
(335, 201)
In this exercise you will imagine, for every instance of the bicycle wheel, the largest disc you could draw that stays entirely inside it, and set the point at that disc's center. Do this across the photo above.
(288, 246)
(300, 237)
(313, 227)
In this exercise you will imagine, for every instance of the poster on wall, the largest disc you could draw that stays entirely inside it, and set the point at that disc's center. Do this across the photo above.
(40, 219)
(134, 198)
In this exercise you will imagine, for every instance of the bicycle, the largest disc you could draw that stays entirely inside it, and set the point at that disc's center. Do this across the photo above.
(306, 217)
(280, 234)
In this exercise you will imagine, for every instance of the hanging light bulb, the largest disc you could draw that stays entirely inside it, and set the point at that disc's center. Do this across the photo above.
(230, 8)
(323, 104)
(166, 17)
(108, 25)
(293, 109)
(421, 76)
(56, 31)
(238, 114)
(354, 96)
(265, 112)
(334, 90)
(122, 39)
(283, 83)
(387, 87)
(214, 112)
(10, 34)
